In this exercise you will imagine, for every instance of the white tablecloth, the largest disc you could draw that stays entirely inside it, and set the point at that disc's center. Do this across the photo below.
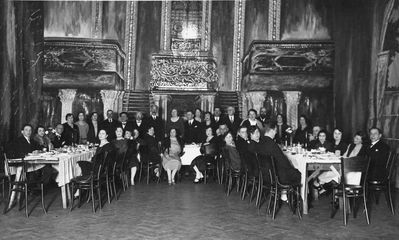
(191, 151)
(66, 164)
(300, 161)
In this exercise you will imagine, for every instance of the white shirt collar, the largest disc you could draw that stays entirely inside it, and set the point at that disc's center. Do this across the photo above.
(373, 143)
(252, 122)
(27, 139)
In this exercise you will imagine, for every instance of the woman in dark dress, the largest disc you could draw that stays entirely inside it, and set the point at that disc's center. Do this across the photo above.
(150, 149)
(120, 143)
(281, 136)
(199, 163)
(175, 122)
(207, 123)
(301, 133)
(132, 153)
(104, 147)
(322, 142)
(231, 153)
(71, 131)
(339, 146)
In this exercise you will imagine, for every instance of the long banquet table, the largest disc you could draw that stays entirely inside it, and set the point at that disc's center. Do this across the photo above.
(311, 162)
(64, 163)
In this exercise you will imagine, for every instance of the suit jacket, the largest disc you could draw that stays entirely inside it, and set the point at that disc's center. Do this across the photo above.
(70, 134)
(378, 154)
(233, 126)
(110, 127)
(247, 124)
(142, 128)
(158, 125)
(286, 172)
(58, 141)
(20, 147)
(192, 133)
(128, 126)
(92, 136)
(216, 124)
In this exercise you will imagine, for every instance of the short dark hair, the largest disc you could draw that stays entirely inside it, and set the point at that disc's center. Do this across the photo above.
(271, 125)
(252, 129)
(338, 129)
(322, 131)
(149, 127)
(189, 111)
(120, 114)
(26, 125)
(252, 110)
(40, 126)
(376, 128)
(361, 134)
(68, 115)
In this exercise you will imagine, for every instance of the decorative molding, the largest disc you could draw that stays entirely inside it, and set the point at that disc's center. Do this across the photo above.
(66, 97)
(188, 73)
(109, 97)
(130, 44)
(165, 25)
(256, 100)
(274, 31)
(292, 100)
(238, 45)
(189, 46)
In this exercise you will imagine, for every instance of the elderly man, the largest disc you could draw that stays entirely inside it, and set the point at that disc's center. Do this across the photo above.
(233, 122)
(124, 122)
(313, 138)
(157, 122)
(58, 139)
(140, 125)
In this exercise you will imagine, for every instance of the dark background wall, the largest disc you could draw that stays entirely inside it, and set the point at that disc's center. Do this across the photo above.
(21, 45)
(222, 38)
(148, 40)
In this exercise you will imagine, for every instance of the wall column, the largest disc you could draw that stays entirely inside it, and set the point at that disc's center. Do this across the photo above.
(66, 96)
(164, 106)
(292, 100)
(207, 103)
(255, 100)
(109, 98)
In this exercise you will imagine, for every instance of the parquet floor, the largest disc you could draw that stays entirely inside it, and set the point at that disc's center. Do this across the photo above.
(187, 211)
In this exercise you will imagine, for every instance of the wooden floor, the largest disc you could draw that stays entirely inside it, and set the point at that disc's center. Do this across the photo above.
(188, 211)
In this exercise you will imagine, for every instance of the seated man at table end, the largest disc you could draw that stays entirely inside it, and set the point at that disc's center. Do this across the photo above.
(287, 173)
(24, 145)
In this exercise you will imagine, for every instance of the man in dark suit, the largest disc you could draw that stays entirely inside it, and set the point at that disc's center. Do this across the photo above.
(192, 129)
(233, 122)
(23, 144)
(287, 173)
(216, 119)
(124, 123)
(378, 153)
(109, 125)
(264, 116)
(140, 125)
(58, 140)
(156, 121)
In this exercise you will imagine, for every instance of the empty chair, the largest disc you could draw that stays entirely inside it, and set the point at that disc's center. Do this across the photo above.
(22, 184)
(352, 185)
(386, 183)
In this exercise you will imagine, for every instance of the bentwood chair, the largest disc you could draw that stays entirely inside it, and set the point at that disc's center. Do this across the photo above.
(23, 185)
(264, 179)
(386, 184)
(232, 175)
(91, 182)
(276, 188)
(348, 190)
(211, 164)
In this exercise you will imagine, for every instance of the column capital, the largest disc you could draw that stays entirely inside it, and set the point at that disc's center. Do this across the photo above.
(255, 99)
(292, 96)
(66, 94)
(109, 98)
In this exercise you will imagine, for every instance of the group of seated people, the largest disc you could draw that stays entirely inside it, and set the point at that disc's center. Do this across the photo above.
(147, 139)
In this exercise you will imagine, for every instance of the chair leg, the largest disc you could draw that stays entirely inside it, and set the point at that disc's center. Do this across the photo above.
(354, 207)
(205, 176)
(258, 194)
(148, 174)
(43, 205)
(141, 170)
(299, 202)
(99, 196)
(252, 191)
(275, 203)
(108, 189)
(365, 208)
(26, 200)
(390, 198)
(244, 186)
(92, 198)
(114, 186)
(344, 209)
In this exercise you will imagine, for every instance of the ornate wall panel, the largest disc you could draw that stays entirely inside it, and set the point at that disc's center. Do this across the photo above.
(238, 47)
(130, 44)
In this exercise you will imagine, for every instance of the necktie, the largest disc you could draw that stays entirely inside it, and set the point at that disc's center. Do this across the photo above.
(231, 119)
